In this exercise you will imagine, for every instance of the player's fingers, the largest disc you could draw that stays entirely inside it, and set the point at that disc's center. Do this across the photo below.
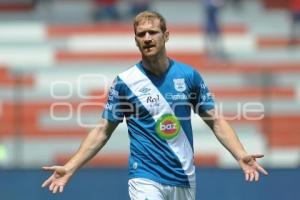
(246, 176)
(256, 174)
(52, 168)
(257, 155)
(47, 182)
(251, 176)
(55, 189)
(261, 170)
(51, 186)
(61, 188)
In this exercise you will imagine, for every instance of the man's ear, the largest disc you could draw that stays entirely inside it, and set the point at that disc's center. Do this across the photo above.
(166, 35)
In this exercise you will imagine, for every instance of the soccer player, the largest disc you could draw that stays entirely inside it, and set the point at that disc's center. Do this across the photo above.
(156, 97)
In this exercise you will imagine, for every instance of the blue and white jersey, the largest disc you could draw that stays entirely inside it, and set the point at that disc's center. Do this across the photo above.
(158, 111)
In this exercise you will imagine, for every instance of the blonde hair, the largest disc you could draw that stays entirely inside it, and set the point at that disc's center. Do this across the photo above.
(149, 15)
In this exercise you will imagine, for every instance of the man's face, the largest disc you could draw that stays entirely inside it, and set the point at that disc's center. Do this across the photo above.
(149, 37)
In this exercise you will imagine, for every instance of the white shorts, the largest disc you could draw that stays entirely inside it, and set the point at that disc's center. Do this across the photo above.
(145, 189)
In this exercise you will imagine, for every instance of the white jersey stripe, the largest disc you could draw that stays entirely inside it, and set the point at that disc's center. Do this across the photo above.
(137, 81)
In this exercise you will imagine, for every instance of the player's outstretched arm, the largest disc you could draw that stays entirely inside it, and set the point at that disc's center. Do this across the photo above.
(95, 140)
(226, 135)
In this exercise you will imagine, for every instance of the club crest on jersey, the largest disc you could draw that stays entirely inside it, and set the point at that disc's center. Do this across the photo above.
(167, 127)
(179, 84)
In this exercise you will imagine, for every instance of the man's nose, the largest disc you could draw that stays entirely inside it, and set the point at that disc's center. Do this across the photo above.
(148, 37)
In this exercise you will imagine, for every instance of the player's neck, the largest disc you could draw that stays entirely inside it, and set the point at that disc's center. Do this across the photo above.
(156, 66)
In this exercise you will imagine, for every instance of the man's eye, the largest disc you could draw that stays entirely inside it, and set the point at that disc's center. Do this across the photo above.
(140, 34)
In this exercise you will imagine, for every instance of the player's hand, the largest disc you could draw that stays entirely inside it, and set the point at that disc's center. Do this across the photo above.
(58, 179)
(251, 167)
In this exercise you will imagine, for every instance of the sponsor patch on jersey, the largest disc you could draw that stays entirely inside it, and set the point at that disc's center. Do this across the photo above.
(167, 127)
(179, 84)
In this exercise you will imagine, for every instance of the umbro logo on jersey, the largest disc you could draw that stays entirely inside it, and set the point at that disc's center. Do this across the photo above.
(144, 90)
(179, 84)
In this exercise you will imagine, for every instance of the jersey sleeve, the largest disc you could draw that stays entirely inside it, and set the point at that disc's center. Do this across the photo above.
(203, 99)
(113, 109)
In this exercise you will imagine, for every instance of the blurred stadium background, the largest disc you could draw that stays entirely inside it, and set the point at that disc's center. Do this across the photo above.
(57, 61)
